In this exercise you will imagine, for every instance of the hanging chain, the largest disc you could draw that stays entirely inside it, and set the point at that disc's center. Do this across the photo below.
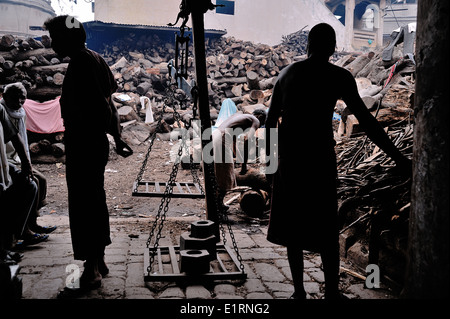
(163, 208)
(223, 218)
(158, 224)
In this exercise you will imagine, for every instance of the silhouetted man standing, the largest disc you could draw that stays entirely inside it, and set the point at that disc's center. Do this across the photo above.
(88, 115)
(304, 201)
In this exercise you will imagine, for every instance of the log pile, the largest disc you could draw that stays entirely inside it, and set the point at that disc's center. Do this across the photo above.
(387, 89)
(33, 63)
(47, 148)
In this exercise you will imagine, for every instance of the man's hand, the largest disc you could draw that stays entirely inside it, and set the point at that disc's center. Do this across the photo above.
(403, 166)
(122, 148)
(26, 169)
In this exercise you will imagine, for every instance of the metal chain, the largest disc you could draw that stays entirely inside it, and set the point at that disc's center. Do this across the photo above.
(166, 198)
(223, 218)
(163, 207)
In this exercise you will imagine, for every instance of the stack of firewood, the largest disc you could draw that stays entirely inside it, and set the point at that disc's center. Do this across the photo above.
(374, 200)
(33, 63)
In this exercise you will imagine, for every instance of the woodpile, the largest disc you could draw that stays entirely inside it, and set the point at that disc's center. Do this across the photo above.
(47, 148)
(374, 199)
(33, 63)
(379, 84)
(236, 68)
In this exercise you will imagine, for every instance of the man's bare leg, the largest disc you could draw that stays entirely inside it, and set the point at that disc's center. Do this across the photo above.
(295, 258)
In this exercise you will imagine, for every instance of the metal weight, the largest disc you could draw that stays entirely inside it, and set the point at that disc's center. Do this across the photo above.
(202, 229)
(194, 261)
(209, 244)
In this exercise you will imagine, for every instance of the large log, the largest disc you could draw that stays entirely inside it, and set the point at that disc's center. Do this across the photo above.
(253, 80)
(44, 93)
(143, 88)
(127, 113)
(16, 55)
(58, 149)
(359, 63)
(50, 69)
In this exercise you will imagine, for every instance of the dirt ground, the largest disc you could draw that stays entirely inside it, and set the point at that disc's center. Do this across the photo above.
(119, 177)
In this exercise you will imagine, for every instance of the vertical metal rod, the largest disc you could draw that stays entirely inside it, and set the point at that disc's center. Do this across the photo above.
(198, 31)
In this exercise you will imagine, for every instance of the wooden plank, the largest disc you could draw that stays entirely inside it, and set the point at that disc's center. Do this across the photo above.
(206, 276)
(180, 189)
(177, 276)
(173, 260)
(160, 265)
(198, 187)
(222, 266)
(231, 253)
(178, 192)
(188, 188)
(135, 186)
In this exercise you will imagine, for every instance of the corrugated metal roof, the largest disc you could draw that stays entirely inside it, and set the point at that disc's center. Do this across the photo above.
(97, 25)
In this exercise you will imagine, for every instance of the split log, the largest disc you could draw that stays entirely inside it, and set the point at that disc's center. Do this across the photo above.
(253, 80)
(7, 42)
(44, 93)
(8, 65)
(257, 96)
(239, 80)
(143, 88)
(58, 149)
(50, 69)
(16, 55)
(269, 83)
(48, 159)
(58, 79)
(34, 148)
(45, 146)
(127, 113)
(358, 64)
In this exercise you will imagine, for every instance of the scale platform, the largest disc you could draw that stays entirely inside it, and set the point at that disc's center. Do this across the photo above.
(157, 189)
(166, 266)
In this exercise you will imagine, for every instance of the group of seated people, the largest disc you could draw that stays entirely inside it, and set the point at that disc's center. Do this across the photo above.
(22, 188)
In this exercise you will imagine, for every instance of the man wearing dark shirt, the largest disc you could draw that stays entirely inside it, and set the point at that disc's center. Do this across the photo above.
(304, 202)
(88, 115)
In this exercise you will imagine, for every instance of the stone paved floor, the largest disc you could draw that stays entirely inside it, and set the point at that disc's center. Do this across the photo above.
(43, 268)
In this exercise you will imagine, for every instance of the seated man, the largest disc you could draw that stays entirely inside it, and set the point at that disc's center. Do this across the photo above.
(223, 145)
(17, 188)
(14, 96)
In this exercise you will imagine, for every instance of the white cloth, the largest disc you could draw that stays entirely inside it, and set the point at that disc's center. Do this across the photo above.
(18, 118)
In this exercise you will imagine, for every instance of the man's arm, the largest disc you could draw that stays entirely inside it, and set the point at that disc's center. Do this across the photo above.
(20, 148)
(274, 111)
(114, 129)
(370, 125)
